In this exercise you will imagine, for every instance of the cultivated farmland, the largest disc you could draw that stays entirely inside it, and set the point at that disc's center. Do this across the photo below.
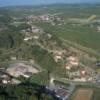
(83, 94)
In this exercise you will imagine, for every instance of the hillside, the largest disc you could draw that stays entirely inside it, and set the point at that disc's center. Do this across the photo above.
(47, 50)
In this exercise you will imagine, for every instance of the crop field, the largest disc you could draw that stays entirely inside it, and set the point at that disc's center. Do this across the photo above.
(85, 35)
(83, 94)
(97, 94)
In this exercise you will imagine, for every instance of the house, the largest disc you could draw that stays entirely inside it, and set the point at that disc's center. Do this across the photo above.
(27, 74)
(2, 69)
(80, 79)
(35, 30)
(98, 28)
(68, 67)
(49, 35)
(6, 79)
(36, 37)
(15, 81)
(58, 55)
(27, 38)
(98, 63)
(73, 60)
(4, 82)
(13, 58)
(45, 18)
(61, 94)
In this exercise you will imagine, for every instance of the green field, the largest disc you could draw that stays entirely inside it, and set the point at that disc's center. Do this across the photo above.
(84, 35)
(81, 34)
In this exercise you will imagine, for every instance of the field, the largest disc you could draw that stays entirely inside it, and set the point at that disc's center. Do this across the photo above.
(83, 94)
(84, 35)
(97, 94)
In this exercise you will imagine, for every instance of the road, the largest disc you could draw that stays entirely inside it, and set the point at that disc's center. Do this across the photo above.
(95, 84)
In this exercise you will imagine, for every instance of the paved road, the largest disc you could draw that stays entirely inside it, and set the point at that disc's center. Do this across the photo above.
(78, 83)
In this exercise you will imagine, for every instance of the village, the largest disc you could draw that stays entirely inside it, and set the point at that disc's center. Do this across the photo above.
(75, 71)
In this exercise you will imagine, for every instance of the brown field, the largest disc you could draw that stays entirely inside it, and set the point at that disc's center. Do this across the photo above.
(83, 94)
